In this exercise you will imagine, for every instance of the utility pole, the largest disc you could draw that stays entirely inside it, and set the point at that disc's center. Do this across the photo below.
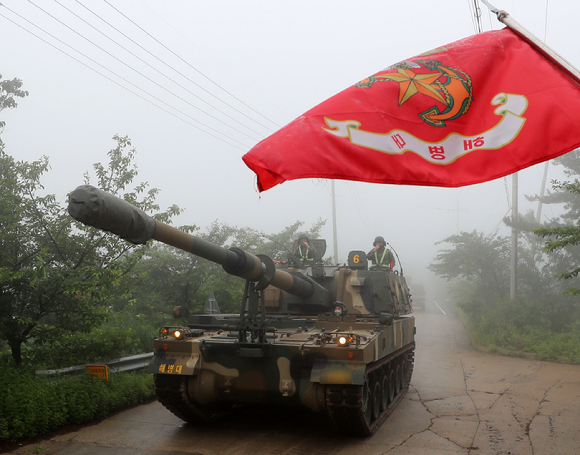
(542, 191)
(514, 253)
(539, 212)
(334, 236)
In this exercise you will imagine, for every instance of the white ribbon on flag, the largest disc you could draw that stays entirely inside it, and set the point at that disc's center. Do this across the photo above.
(510, 108)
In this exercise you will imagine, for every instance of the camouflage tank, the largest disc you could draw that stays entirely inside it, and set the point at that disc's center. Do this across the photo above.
(338, 340)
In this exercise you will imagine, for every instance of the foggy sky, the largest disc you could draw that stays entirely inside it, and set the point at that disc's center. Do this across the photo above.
(280, 59)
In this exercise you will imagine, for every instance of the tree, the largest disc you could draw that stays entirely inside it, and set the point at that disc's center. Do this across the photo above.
(482, 261)
(56, 275)
(536, 270)
(563, 192)
(8, 91)
(563, 232)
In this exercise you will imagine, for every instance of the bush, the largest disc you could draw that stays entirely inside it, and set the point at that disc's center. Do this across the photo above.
(115, 339)
(524, 326)
(32, 406)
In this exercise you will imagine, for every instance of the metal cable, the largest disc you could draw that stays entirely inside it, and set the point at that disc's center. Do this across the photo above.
(186, 62)
(138, 72)
(167, 65)
(244, 147)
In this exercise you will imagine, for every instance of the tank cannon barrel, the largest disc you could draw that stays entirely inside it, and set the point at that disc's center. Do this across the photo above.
(96, 208)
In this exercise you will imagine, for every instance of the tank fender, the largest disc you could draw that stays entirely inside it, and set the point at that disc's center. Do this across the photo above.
(338, 372)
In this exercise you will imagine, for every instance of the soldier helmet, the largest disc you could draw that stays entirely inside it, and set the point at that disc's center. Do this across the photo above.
(339, 309)
(302, 236)
(379, 239)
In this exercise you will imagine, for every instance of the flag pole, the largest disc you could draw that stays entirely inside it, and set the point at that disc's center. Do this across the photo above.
(546, 51)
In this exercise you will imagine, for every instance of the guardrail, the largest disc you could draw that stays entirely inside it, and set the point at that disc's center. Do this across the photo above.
(132, 363)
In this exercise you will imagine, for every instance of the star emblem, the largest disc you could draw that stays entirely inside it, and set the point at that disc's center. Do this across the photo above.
(411, 83)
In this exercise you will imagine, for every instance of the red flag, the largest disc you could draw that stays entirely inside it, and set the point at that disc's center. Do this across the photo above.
(474, 110)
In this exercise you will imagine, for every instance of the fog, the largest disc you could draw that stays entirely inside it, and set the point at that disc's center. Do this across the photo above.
(199, 71)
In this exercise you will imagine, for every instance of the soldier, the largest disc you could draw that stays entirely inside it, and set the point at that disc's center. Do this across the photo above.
(380, 255)
(304, 251)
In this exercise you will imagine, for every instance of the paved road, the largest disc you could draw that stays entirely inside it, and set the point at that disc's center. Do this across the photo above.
(461, 401)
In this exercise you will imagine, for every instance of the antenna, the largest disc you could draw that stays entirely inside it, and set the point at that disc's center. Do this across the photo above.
(398, 260)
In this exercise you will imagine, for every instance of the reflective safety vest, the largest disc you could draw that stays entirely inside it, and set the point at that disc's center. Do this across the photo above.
(377, 262)
(304, 256)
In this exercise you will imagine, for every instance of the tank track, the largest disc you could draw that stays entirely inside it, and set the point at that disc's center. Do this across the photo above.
(346, 405)
(171, 392)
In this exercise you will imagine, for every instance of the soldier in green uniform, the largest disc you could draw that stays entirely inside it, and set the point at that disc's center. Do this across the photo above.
(380, 255)
(304, 251)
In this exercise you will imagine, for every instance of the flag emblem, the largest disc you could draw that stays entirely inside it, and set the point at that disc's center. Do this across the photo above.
(449, 86)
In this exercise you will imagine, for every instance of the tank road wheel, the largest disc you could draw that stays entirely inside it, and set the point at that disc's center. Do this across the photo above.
(410, 361)
(377, 394)
(404, 372)
(398, 379)
(392, 384)
(384, 378)
(367, 402)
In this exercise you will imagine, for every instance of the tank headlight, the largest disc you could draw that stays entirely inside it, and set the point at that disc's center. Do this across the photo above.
(177, 334)
(345, 340)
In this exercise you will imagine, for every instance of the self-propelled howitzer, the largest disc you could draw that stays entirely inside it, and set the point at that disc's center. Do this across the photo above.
(336, 339)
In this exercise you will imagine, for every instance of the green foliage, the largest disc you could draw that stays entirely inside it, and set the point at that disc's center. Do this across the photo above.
(477, 259)
(57, 276)
(525, 326)
(564, 240)
(121, 336)
(32, 406)
(562, 233)
(10, 89)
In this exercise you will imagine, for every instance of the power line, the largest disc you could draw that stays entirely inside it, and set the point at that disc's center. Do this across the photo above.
(507, 192)
(352, 189)
(186, 62)
(138, 72)
(476, 15)
(213, 60)
(546, 23)
(244, 147)
(146, 63)
(166, 64)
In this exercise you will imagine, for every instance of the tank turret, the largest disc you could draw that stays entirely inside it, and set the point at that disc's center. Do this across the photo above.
(337, 339)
